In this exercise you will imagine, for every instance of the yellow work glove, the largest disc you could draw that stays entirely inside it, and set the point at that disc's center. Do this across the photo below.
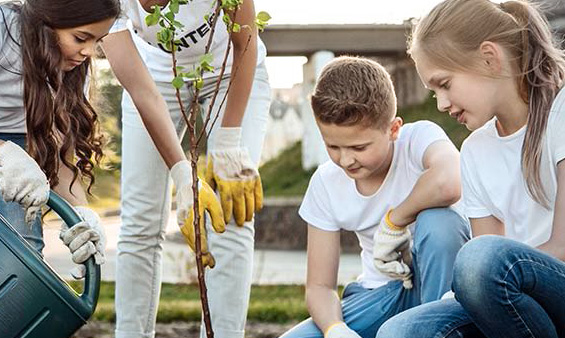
(181, 173)
(231, 172)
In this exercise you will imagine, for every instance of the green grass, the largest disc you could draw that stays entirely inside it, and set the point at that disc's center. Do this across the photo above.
(181, 302)
(283, 175)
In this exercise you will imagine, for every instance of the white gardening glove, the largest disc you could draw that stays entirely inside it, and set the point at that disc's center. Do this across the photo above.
(392, 254)
(448, 295)
(340, 330)
(22, 181)
(231, 172)
(181, 173)
(84, 239)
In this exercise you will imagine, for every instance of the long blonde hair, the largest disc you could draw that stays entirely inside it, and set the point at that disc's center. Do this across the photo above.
(450, 36)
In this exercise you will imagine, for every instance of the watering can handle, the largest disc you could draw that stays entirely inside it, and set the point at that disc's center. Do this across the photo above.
(92, 278)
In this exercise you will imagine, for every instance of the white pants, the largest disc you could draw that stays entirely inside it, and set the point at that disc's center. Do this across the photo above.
(145, 207)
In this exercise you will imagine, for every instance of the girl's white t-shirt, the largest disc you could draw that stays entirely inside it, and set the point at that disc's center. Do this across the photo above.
(196, 17)
(12, 111)
(493, 183)
(332, 202)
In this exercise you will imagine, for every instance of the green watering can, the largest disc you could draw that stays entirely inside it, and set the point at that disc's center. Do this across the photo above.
(35, 302)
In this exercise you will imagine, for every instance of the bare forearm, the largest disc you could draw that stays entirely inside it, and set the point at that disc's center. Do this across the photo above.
(243, 72)
(244, 64)
(324, 306)
(154, 114)
(76, 195)
(130, 70)
(556, 244)
(430, 191)
(555, 248)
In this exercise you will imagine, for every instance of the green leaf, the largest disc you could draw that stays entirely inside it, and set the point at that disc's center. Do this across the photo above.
(207, 58)
(178, 24)
(226, 19)
(263, 16)
(193, 74)
(164, 36)
(178, 82)
(170, 16)
(236, 28)
(198, 83)
(174, 6)
(152, 19)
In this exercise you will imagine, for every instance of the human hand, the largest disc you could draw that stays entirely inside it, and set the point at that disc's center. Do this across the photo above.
(22, 180)
(236, 178)
(84, 240)
(340, 330)
(392, 254)
(181, 173)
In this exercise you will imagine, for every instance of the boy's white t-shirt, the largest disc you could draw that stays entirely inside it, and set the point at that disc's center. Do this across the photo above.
(332, 202)
(493, 183)
(194, 37)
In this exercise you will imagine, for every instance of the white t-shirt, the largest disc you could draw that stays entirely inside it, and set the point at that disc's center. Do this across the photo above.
(12, 111)
(332, 201)
(493, 183)
(193, 36)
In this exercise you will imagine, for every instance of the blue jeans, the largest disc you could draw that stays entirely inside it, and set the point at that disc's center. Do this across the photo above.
(503, 288)
(438, 236)
(15, 214)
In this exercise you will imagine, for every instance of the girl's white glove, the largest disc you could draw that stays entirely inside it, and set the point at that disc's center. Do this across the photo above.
(22, 181)
(85, 239)
(340, 330)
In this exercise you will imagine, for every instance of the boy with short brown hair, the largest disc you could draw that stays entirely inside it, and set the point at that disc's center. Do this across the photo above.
(383, 179)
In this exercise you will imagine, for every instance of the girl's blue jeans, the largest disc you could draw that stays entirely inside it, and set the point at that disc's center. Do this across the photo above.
(503, 289)
(438, 236)
(15, 214)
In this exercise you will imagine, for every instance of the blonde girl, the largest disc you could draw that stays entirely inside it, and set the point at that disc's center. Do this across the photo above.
(496, 69)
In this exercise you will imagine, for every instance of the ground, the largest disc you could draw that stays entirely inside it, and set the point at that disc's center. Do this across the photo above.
(95, 329)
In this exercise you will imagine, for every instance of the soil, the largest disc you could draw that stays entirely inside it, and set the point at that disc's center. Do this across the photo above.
(95, 329)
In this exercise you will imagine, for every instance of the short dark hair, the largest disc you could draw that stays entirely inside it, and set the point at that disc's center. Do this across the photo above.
(354, 90)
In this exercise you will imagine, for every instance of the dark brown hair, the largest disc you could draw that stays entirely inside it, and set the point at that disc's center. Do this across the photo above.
(61, 123)
(354, 90)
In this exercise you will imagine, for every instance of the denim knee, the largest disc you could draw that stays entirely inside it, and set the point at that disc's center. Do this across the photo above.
(476, 268)
(395, 328)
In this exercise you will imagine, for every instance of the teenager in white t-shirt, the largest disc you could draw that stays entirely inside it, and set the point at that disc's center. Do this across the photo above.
(500, 73)
(383, 178)
(49, 136)
(152, 125)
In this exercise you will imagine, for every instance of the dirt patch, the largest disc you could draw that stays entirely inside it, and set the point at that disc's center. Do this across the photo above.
(96, 329)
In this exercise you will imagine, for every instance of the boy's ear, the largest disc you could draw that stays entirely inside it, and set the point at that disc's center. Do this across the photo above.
(491, 55)
(395, 128)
